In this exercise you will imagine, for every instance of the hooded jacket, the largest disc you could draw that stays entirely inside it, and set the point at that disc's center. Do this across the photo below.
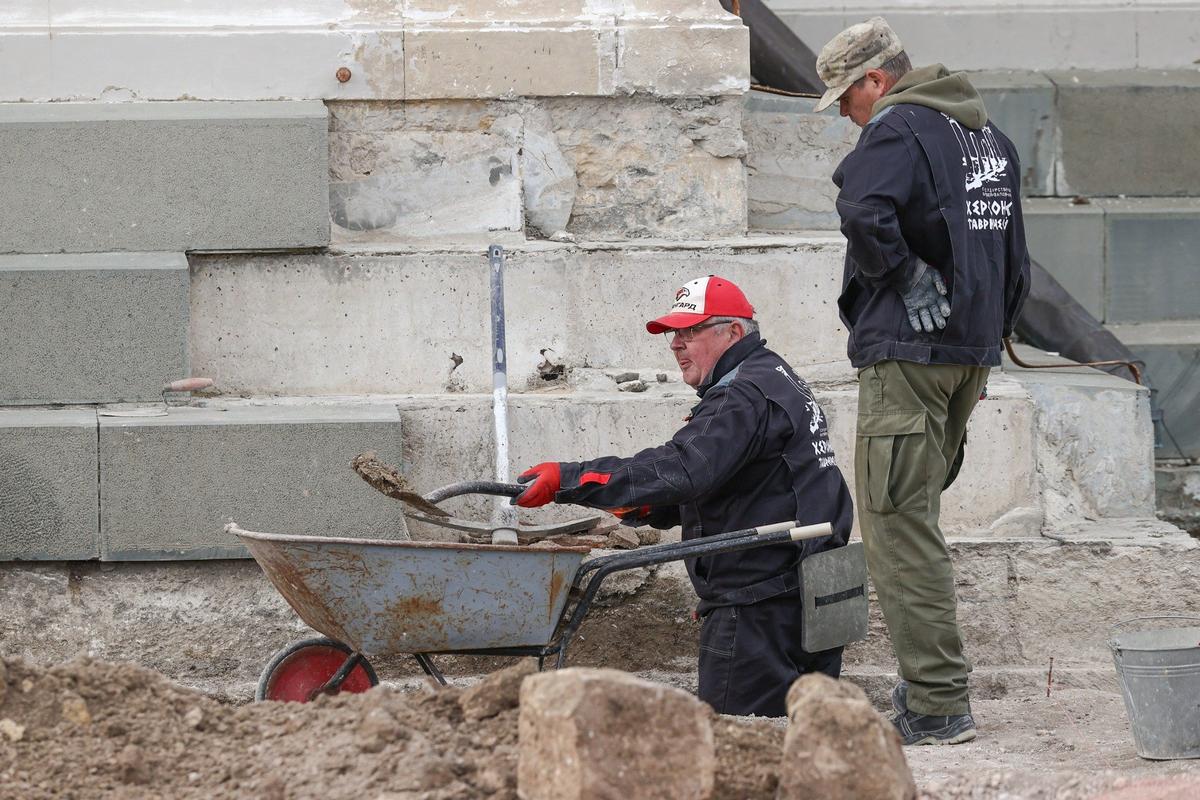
(755, 451)
(931, 179)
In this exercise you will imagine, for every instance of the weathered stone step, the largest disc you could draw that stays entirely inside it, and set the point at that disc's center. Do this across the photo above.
(87, 328)
(103, 177)
(1021, 602)
(1171, 351)
(1045, 447)
(83, 484)
(357, 322)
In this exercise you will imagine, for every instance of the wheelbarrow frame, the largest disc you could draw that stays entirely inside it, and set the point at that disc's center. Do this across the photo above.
(583, 589)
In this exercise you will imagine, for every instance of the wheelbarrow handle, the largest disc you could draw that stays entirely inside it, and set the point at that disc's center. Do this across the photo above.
(733, 541)
(475, 487)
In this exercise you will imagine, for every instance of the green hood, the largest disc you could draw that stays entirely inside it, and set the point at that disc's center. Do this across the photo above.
(937, 88)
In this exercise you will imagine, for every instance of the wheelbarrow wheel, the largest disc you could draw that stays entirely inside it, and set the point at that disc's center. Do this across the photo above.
(295, 672)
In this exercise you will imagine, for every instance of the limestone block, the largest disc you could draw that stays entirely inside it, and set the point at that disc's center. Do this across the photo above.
(49, 504)
(833, 733)
(1151, 246)
(650, 168)
(1068, 240)
(507, 62)
(548, 179)
(575, 741)
(1105, 145)
(790, 159)
(1100, 467)
(419, 183)
(277, 324)
(192, 176)
(694, 60)
(1021, 104)
(91, 328)
(168, 484)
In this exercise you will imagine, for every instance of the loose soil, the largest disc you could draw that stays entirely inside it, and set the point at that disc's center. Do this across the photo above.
(88, 729)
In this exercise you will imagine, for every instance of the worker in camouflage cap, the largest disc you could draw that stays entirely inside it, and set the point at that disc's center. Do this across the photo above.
(849, 55)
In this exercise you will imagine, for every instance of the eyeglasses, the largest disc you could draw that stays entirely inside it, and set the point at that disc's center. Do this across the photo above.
(687, 334)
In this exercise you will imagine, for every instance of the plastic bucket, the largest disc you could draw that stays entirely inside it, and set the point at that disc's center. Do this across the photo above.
(1159, 674)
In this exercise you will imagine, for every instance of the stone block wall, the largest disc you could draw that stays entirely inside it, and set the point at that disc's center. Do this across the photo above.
(92, 327)
(104, 177)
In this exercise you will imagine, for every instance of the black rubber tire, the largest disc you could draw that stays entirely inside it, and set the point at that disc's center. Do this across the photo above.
(264, 680)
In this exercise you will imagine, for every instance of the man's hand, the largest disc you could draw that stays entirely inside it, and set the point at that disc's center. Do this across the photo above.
(631, 515)
(925, 299)
(547, 480)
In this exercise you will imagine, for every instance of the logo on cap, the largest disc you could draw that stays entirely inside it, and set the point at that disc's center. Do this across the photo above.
(682, 293)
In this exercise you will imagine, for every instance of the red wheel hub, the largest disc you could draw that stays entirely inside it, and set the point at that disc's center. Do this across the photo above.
(309, 668)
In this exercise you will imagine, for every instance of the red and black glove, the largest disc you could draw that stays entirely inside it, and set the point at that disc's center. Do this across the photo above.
(547, 480)
(631, 515)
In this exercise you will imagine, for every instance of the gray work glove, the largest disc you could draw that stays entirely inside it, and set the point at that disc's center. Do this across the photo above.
(925, 299)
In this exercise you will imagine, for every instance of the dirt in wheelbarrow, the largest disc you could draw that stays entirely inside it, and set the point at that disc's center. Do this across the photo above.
(90, 729)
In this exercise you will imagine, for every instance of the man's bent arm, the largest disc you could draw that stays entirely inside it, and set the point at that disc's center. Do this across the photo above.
(877, 180)
(723, 436)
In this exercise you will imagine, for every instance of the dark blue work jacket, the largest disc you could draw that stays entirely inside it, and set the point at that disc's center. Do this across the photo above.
(754, 452)
(920, 184)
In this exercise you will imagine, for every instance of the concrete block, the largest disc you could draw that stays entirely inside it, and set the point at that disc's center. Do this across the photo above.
(986, 35)
(1171, 352)
(277, 324)
(1153, 251)
(1095, 442)
(50, 504)
(998, 492)
(1068, 240)
(192, 176)
(1021, 104)
(168, 484)
(1106, 146)
(790, 159)
(574, 738)
(91, 328)
(1168, 36)
(507, 62)
(699, 60)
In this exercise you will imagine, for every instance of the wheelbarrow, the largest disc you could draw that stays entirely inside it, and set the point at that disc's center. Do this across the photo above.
(378, 598)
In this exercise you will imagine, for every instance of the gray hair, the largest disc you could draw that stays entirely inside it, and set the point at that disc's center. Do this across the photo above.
(896, 68)
(748, 325)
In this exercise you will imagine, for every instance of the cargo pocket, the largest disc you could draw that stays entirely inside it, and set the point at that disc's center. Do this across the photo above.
(893, 462)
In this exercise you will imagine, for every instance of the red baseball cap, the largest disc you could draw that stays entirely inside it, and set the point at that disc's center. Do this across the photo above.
(697, 300)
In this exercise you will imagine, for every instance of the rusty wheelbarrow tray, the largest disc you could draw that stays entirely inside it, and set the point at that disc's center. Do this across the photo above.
(377, 597)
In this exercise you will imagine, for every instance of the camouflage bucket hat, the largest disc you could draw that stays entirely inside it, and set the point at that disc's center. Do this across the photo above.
(849, 55)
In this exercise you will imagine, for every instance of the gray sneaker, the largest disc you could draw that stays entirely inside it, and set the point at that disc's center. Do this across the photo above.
(917, 728)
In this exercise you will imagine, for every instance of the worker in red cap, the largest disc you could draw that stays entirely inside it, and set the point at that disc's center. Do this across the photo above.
(754, 451)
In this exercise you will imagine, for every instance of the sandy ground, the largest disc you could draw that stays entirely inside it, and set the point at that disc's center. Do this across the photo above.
(87, 729)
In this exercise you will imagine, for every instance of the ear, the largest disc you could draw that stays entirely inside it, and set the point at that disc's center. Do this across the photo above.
(737, 330)
(879, 77)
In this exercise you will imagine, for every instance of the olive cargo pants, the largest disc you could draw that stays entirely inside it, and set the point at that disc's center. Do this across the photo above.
(912, 424)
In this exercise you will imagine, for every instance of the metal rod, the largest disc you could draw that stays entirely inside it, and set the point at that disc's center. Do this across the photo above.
(504, 516)
(1137, 373)
(338, 678)
(430, 668)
